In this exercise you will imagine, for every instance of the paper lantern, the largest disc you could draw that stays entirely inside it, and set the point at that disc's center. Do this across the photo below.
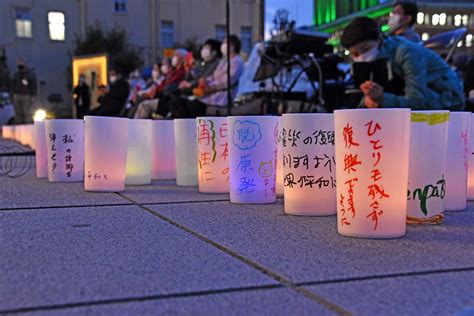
(106, 142)
(65, 150)
(186, 152)
(252, 158)
(470, 178)
(309, 164)
(30, 135)
(426, 177)
(279, 170)
(163, 150)
(213, 154)
(41, 154)
(457, 161)
(138, 169)
(7, 131)
(372, 154)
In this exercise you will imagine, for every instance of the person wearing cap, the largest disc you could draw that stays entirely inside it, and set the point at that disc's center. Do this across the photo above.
(428, 82)
(24, 92)
(402, 20)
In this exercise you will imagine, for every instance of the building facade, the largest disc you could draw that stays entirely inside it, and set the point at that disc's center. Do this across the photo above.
(44, 31)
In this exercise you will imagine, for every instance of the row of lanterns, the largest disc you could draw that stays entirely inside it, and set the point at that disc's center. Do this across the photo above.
(377, 169)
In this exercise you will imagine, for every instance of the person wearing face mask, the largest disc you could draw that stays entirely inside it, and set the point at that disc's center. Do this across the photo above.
(82, 97)
(24, 92)
(115, 98)
(428, 81)
(402, 21)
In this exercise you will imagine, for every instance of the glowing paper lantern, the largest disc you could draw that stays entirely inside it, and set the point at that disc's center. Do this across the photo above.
(186, 152)
(213, 154)
(252, 158)
(138, 169)
(7, 131)
(470, 178)
(372, 149)
(65, 149)
(30, 135)
(163, 150)
(106, 140)
(309, 164)
(457, 161)
(426, 177)
(41, 154)
(279, 172)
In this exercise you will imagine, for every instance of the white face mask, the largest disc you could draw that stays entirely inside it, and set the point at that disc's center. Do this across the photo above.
(394, 21)
(155, 74)
(206, 54)
(174, 61)
(164, 69)
(113, 79)
(224, 49)
(368, 56)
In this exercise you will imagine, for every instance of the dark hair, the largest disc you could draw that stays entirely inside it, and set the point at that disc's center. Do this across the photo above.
(409, 8)
(215, 45)
(235, 41)
(360, 30)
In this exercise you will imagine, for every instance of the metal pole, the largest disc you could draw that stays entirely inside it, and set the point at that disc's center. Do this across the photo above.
(229, 89)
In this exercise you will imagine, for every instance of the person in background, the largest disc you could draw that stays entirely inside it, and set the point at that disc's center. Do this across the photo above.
(24, 92)
(102, 90)
(114, 100)
(4, 73)
(402, 20)
(82, 98)
(428, 81)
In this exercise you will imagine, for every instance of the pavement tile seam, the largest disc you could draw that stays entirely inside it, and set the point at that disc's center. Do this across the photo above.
(184, 202)
(59, 207)
(139, 299)
(274, 275)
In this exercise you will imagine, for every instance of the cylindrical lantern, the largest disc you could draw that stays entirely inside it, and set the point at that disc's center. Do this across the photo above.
(309, 164)
(138, 170)
(372, 154)
(457, 161)
(163, 150)
(106, 140)
(30, 138)
(279, 167)
(41, 153)
(252, 158)
(426, 177)
(213, 154)
(7, 131)
(470, 178)
(186, 152)
(65, 150)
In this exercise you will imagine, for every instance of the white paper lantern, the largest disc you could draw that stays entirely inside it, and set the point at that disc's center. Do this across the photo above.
(65, 149)
(163, 150)
(7, 131)
(309, 164)
(426, 177)
(213, 154)
(457, 161)
(186, 152)
(252, 158)
(470, 178)
(30, 136)
(41, 153)
(138, 169)
(106, 140)
(279, 172)
(372, 154)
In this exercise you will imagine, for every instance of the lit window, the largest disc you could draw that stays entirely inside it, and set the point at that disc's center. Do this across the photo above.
(442, 19)
(420, 17)
(460, 44)
(435, 19)
(425, 36)
(167, 34)
(469, 40)
(57, 27)
(427, 19)
(220, 32)
(120, 6)
(246, 38)
(465, 19)
(23, 23)
(457, 20)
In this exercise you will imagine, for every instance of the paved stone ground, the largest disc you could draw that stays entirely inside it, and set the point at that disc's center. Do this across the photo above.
(160, 249)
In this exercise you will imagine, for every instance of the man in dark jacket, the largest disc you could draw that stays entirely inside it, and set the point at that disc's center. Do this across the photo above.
(82, 98)
(24, 92)
(115, 98)
(4, 74)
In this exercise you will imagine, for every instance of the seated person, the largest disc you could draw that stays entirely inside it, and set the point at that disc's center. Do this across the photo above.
(174, 74)
(402, 21)
(428, 82)
(114, 99)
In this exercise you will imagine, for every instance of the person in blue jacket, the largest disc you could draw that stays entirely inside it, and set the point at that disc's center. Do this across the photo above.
(427, 81)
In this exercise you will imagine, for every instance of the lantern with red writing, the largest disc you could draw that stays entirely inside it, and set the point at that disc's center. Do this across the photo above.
(457, 161)
(309, 164)
(372, 154)
(213, 154)
(253, 158)
(163, 158)
(426, 178)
